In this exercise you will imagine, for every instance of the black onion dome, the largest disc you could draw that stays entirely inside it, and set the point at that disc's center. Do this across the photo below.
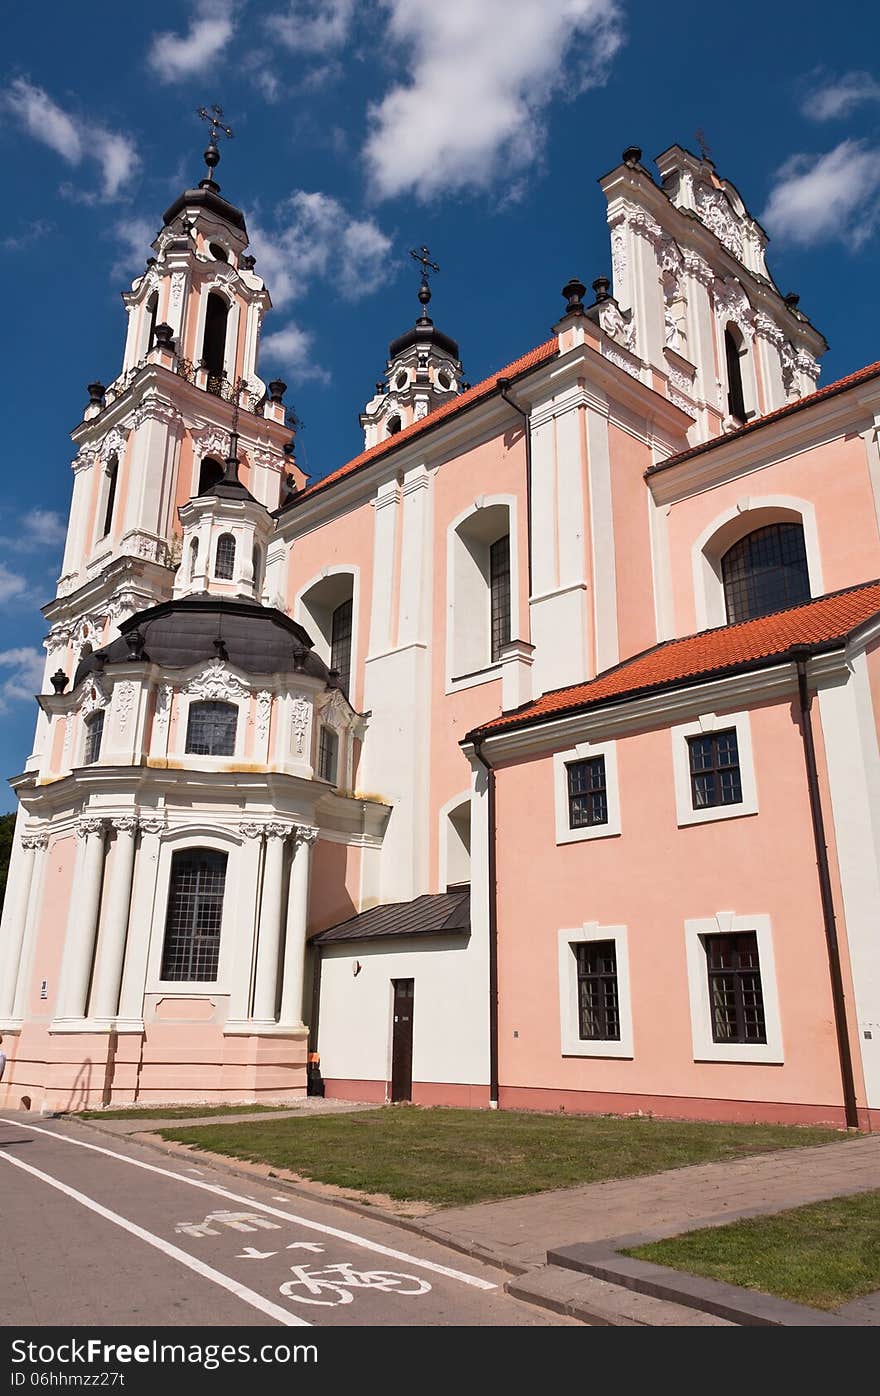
(423, 332)
(208, 199)
(179, 634)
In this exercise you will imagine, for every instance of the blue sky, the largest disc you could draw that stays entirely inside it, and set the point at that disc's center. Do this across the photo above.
(362, 129)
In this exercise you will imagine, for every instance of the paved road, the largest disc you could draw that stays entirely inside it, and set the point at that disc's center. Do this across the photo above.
(109, 1233)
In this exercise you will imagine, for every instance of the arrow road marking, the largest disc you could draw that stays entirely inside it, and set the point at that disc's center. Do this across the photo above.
(304, 1246)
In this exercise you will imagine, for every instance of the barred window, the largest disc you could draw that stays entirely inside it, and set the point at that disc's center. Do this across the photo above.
(765, 571)
(340, 643)
(499, 588)
(112, 476)
(587, 793)
(224, 563)
(714, 767)
(210, 729)
(94, 733)
(328, 752)
(195, 910)
(598, 1007)
(736, 999)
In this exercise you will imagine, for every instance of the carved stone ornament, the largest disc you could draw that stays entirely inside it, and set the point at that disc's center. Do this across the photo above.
(163, 706)
(276, 830)
(251, 830)
(267, 459)
(178, 281)
(123, 701)
(85, 456)
(732, 303)
(113, 444)
(216, 683)
(145, 545)
(94, 695)
(32, 842)
(696, 266)
(807, 364)
(124, 603)
(672, 329)
(125, 824)
(152, 823)
(714, 210)
(618, 258)
(614, 356)
(615, 324)
(300, 719)
(88, 824)
(767, 328)
(788, 362)
(208, 441)
(264, 712)
(153, 409)
(304, 834)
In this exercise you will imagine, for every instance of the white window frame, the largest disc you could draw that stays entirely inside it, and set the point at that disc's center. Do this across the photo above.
(705, 1048)
(243, 706)
(749, 513)
(572, 1044)
(703, 726)
(238, 912)
(585, 751)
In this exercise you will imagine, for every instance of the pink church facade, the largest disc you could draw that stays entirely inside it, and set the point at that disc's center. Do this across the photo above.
(530, 759)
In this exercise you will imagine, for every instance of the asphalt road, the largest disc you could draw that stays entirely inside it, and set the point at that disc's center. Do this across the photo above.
(106, 1232)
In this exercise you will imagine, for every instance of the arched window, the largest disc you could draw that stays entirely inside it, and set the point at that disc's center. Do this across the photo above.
(214, 344)
(195, 911)
(734, 350)
(193, 558)
(457, 838)
(340, 643)
(499, 594)
(94, 733)
(481, 595)
(257, 563)
(224, 562)
(211, 472)
(218, 251)
(765, 571)
(210, 729)
(112, 473)
(152, 311)
(393, 425)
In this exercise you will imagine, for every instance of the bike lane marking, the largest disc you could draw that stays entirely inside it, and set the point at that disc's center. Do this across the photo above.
(475, 1281)
(248, 1296)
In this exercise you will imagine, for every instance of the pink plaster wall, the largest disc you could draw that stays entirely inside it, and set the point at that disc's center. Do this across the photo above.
(335, 885)
(630, 459)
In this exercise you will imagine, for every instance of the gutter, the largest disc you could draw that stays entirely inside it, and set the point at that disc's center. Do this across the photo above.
(493, 930)
(503, 388)
(801, 654)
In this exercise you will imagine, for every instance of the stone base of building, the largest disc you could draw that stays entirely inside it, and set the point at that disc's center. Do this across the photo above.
(161, 1064)
(468, 1097)
(674, 1107)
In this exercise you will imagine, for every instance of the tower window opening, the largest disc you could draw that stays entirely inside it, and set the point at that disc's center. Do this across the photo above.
(734, 349)
(499, 589)
(210, 474)
(193, 558)
(94, 733)
(393, 426)
(214, 344)
(340, 643)
(257, 562)
(152, 312)
(112, 473)
(218, 252)
(224, 563)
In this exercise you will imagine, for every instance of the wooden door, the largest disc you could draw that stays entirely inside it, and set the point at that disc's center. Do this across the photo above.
(402, 1039)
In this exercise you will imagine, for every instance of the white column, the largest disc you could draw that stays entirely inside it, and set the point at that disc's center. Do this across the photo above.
(82, 923)
(269, 944)
(249, 856)
(15, 919)
(297, 925)
(137, 948)
(108, 969)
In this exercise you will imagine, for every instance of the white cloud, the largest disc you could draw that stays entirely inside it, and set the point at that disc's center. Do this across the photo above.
(820, 198)
(28, 233)
(74, 140)
(134, 236)
(11, 584)
(291, 351)
(479, 76)
(25, 677)
(312, 235)
(312, 26)
(837, 97)
(176, 56)
(37, 528)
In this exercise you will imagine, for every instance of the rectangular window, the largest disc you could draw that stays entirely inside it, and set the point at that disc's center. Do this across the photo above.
(714, 769)
(598, 1007)
(94, 733)
(195, 911)
(340, 644)
(210, 729)
(328, 750)
(587, 794)
(499, 587)
(736, 999)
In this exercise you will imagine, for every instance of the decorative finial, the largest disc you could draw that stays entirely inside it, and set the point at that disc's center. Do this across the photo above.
(214, 117)
(792, 300)
(277, 389)
(422, 255)
(601, 289)
(631, 156)
(573, 292)
(705, 148)
(96, 393)
(59, 681)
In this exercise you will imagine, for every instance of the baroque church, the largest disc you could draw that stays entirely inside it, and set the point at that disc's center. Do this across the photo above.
(528, 759)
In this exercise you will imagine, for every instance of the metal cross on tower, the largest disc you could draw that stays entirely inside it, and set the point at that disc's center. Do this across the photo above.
(423, 256)
(705, 148)
(214, 118)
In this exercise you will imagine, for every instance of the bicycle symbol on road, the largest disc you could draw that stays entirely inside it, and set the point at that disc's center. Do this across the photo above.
(340, 1280)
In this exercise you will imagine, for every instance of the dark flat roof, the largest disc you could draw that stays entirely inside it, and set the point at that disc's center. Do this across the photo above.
(436, 913)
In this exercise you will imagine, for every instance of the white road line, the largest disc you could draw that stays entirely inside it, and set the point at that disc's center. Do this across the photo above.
(249, 1296)
(350, 1236)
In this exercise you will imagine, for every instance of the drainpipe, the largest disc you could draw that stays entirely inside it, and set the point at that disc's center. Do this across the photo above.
(503, 388)
(493, 931)
(801, 654)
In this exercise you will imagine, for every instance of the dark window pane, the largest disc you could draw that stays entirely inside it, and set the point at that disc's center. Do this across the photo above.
(765, 571)
(224, 563)
(211, 472)
(94, 733)
(499, 586)
(340, 644)
(211, 729)
(112, 475)
(714, 766)
(195, 910)
(214, 344)
(328, 747)
(587, 794)
(598, 1008)
(736, 405)
(735, 997)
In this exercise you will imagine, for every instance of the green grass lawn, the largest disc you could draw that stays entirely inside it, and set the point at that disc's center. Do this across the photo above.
(449, 1157)
(822, 1255)
(173, 1112)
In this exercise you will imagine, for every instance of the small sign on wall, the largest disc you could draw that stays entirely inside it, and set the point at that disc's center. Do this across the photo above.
(44, 988)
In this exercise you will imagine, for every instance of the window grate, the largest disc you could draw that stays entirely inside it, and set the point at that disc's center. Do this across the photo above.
(210, 729)
(714, 768)
(328, 751)
(598, 1006)
(499, 589)
(224, 562)
(340, 643)
(587, 793)
(736, 998)
(195, 910)
(94, 734)
(765, 571)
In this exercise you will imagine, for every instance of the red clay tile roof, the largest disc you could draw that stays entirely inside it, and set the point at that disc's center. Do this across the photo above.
(825, 622)
(547, 350)
(862, 375)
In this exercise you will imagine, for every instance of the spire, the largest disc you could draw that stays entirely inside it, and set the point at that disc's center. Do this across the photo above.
(207, 193)
(423, 257)
(214, 118)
